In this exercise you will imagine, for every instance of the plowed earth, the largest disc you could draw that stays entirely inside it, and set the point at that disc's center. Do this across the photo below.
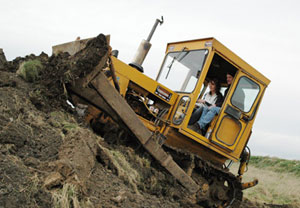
(50, 158)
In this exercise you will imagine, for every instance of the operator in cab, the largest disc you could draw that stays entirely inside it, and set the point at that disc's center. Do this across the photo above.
(209, 112)
(210, 99)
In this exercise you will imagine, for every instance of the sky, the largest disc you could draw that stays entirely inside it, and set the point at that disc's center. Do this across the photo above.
(265, 33)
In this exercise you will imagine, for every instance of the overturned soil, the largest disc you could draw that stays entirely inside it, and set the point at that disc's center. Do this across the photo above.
(49, 157)
(41, 153)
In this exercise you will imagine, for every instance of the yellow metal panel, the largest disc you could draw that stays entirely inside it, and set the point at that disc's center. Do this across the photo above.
(190, 45)
(207, 143)
(123, 83)
(149, 125)
(228, 131)
(177, 140)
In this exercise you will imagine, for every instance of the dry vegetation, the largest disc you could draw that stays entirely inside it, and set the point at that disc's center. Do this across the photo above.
(279, 183)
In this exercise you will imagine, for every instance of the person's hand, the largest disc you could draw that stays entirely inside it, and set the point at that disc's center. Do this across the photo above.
(200, 101)
(213, 105)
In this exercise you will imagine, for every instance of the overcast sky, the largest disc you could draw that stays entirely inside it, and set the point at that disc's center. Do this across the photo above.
(265, 33)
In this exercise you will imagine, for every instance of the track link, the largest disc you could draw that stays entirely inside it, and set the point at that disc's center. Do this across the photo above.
(219, 187)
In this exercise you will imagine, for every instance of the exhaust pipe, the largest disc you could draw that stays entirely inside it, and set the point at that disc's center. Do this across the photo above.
(144, 48)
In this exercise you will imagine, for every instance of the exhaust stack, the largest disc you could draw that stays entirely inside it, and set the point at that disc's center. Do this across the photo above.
(144, 48)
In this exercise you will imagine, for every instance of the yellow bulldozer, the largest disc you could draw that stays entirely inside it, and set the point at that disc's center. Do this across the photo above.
(158, 112)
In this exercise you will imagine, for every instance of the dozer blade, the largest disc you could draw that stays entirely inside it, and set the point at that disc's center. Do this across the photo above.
(103, 95)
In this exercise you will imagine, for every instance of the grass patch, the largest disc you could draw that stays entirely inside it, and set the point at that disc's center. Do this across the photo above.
(62, 120)
(124, 169)
(276, 164)
(274, 187)
(119, 164)
(65, 197)
(69, 126)
(30, 70)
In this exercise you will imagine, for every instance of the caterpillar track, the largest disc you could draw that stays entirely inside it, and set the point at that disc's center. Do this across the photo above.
(219, 187)
(223, 189)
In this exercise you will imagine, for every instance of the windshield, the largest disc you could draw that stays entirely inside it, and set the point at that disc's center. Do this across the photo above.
(181, 70)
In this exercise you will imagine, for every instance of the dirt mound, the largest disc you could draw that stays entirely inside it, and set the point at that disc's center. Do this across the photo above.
(2, 58)
(12, 66)
(50, 158)
(26, 141)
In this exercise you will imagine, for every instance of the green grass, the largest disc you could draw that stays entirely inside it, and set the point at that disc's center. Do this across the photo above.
(65, 197)
(30, 70)
(276, 164)
(63, 120)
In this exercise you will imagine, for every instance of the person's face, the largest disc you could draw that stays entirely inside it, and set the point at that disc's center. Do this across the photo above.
(212, 86)
(229, 79)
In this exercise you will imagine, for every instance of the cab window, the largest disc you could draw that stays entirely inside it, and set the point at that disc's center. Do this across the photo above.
(181, 70)
(245, 94)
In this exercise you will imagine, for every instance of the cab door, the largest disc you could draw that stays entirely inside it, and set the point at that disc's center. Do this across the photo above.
(237, 113)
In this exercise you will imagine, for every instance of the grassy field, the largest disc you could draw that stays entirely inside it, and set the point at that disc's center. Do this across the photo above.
(276, 164)
(279, 180)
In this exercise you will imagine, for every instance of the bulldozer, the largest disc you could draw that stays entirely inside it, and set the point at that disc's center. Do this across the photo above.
(157, 112)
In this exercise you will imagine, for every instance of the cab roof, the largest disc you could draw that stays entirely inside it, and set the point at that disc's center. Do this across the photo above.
(214, 45)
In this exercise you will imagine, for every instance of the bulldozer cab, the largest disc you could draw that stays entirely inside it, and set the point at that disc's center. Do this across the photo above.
(187, 68)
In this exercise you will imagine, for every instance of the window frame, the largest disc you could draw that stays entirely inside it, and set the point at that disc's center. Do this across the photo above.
(203, 64)
(254, 101)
